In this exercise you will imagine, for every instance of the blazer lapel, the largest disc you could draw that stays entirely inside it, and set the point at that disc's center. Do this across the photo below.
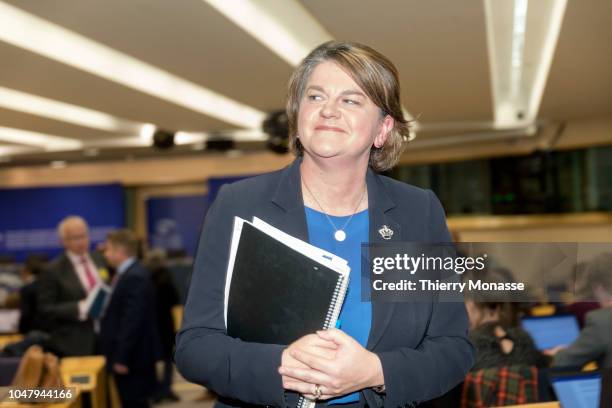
(379, 205)
(288, 198)
(72, 278)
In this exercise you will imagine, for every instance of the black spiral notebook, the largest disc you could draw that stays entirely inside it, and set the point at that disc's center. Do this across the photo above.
(279, 288)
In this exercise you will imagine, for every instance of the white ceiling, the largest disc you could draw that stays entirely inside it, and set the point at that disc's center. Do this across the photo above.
(439, 47)
(580, 81)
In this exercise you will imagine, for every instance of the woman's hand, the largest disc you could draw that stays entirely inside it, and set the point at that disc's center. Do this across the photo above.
(350, 368)
(310, 343)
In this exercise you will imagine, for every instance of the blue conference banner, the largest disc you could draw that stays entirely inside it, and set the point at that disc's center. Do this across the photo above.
(29, 216)
(215, 183)
(174, 222)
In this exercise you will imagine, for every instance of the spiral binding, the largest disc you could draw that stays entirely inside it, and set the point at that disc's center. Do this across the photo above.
(330, 321)
(336, 303)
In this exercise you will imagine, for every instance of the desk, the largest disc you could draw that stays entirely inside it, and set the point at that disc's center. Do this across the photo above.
(9, 338)
(177, 316)
(86, 374)
(543, 310)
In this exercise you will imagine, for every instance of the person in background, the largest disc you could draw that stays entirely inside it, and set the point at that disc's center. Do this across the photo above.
(29, 316)
(495, 327)
(166, 297)
(584, 296)
(503, 349)
(64, 288)
(595, 340)
(498, 341)
(129, 335)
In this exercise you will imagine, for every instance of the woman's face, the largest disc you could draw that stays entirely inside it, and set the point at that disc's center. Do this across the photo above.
(337, 119)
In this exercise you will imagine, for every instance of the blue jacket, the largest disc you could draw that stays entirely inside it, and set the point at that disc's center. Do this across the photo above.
(423, 347)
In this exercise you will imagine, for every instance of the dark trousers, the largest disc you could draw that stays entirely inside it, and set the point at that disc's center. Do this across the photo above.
(135, 403)
(129, 395)
(166, 381)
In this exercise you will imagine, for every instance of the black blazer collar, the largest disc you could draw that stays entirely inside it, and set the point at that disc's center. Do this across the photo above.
(288, 194)
(69, 274)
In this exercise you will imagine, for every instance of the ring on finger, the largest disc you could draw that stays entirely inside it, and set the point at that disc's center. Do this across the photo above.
(317, 391)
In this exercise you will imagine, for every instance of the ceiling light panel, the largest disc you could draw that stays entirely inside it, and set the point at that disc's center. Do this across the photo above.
(39, 140)
(285, 27)
(37, 35)
(521, 37)
(77, 115)
(544, 21)
(8, 150)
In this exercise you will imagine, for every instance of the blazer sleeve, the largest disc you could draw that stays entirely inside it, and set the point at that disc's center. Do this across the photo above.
(205, 354)
(52, 306)
(445, 354)
(589, 346)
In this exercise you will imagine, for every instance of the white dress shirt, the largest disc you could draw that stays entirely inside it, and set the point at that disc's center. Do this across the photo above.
(79, 268)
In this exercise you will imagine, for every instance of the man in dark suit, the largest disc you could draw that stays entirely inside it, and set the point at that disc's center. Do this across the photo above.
(64, 288)
(166, 298)
(129, 336)
(595, 340)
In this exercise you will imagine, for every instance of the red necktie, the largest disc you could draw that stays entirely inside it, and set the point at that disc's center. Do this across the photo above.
(115, 279)
(91, 279)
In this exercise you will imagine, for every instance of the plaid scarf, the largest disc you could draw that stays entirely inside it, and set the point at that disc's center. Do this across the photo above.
(499, 386)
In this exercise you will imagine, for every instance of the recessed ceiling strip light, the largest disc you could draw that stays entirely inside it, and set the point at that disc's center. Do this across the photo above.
(521, 39)
(40, 140)
(285, 27)
(65, 112)
(555, 21)
(6, 151)
(32, 33)
(518, 45)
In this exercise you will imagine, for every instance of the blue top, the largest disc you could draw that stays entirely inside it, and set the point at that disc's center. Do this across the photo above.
(355, 316)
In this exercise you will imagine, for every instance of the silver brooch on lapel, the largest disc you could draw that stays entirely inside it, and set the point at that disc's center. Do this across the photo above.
(385, 232)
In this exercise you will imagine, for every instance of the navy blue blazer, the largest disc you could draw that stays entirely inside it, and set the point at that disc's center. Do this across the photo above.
(423, 347)
(128, 332)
